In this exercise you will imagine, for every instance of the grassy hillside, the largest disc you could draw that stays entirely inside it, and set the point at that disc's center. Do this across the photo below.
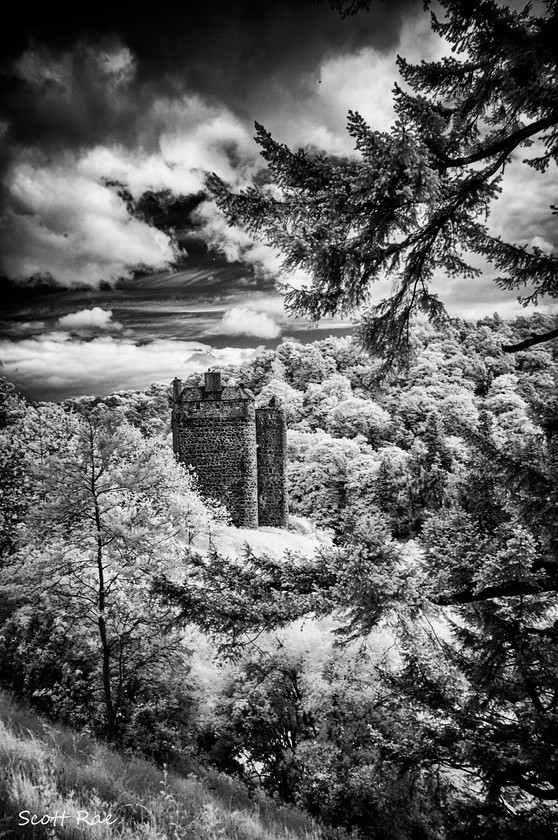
(51, 770)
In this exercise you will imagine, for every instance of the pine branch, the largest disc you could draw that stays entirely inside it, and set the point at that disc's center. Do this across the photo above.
(509, 589)
(507, 144)
(530, 342)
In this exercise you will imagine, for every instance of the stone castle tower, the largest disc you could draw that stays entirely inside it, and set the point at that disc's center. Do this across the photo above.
(238, 451)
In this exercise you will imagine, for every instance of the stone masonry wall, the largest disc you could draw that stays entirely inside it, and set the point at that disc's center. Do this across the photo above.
(216, 435)
(271, 436)
(239, 454)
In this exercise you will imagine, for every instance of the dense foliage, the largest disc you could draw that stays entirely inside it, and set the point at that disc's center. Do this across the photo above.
(400, 683)
(106, 509)
(439, 491)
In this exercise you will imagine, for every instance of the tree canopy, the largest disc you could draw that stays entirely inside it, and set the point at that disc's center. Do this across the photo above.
(413, 203)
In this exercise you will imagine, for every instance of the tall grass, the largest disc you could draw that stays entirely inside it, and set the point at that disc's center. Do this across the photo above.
(45, 769)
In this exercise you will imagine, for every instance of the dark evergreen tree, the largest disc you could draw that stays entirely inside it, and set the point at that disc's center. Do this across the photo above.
(415, 200)
(435, 466)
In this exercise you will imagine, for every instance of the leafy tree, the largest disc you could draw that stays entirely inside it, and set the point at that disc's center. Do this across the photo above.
(108, 510)
(413, 201)
(321, 399)
(307, 721)
(304, 364)
(486, 696)
(508, 407)
(13, 500)
(266, 719)
(285, 397)
(362, 481)
(319, 475)
(146, 410)
(44, 661)
(356, 416)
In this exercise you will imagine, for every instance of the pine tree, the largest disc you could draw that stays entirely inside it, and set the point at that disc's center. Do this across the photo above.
(414, 201)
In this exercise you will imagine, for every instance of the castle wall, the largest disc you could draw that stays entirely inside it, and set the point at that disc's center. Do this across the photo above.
(271, 437)
(215, 432)
(238, 453)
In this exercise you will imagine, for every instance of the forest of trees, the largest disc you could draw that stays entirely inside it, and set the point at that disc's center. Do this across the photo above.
(401, 683)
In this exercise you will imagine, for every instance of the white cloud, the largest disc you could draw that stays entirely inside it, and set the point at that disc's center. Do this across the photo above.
(270, 304)
(234, 243)
(542, 244)
(55, 366)
(60, 218)
(62, 223)
(362, 82)
(243, 321)
(522, 212)
(95, 318)
(194, 138)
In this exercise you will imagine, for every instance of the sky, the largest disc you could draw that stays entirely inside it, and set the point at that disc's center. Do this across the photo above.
(99, 107)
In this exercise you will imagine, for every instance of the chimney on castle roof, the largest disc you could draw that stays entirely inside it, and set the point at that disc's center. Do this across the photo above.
(176, 388)
(213, 381)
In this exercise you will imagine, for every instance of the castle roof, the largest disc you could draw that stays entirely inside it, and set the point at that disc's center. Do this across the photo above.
(227, 392)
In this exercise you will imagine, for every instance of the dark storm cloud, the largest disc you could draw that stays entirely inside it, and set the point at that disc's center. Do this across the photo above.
(52, 99)
(235, 53)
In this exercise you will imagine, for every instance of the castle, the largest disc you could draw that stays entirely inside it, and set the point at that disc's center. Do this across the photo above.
(238, 451)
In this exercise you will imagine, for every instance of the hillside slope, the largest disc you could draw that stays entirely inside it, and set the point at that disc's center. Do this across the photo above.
(79, 788)
(275, 542)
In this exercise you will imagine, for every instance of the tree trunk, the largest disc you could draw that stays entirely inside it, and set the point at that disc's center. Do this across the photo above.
(105, 646)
